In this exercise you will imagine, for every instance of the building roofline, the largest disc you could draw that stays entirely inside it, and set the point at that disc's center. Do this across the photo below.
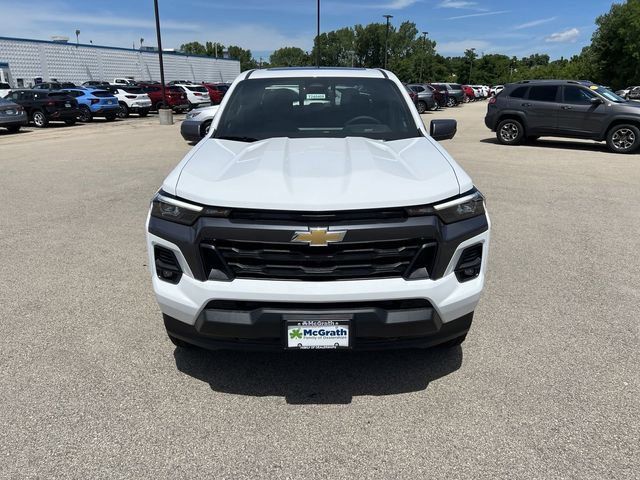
(91, 45)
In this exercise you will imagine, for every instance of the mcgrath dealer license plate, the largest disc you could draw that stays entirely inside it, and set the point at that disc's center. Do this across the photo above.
(318, 334)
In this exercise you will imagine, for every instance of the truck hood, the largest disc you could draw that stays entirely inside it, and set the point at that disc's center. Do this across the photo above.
(315, 174)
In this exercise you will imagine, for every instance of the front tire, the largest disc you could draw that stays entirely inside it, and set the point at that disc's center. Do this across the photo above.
(422, 107)
(204, 129)
(623, 138)
(40, 120)
(510, 132)
(143, 113)
(110, 117)
(451, 102)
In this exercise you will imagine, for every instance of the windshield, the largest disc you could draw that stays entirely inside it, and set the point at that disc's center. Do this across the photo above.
(608, 94)
(317, 107)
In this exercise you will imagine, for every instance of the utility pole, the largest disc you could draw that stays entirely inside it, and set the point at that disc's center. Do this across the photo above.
(473, 51)
(167, 112)
(318, 36)
(386, 40)
(77, 38)
(424, 40)
(141, 42)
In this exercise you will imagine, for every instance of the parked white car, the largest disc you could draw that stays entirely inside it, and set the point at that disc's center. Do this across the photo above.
(196, 123)
(197, 95)
(123, 81)
(496, 90)
(132, 99)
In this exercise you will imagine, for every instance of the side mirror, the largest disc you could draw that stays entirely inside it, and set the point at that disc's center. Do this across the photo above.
(443, 129)
(596, 101)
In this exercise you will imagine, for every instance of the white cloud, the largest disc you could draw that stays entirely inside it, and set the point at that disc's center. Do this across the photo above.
(457, 4)
(566, 36)
(534, 23)
(484, 14)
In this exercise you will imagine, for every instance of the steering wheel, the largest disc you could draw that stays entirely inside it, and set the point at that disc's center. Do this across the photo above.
(357, 120)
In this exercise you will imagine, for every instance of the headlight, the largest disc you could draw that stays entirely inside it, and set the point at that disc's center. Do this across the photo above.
(469, 205)
(173, 209)
(191, 115)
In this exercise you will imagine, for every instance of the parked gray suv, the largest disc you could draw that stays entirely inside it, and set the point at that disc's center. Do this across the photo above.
(564, 108)
(455, 91)
(426, 99)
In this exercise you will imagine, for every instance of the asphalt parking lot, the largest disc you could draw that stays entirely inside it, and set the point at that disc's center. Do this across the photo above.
(546, 385)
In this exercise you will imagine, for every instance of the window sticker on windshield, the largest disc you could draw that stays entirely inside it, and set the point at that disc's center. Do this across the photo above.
(316, 96)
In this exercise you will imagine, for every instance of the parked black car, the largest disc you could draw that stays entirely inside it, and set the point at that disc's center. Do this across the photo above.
(426, 99)
(564, 108)
(43, 106)
(12, 115)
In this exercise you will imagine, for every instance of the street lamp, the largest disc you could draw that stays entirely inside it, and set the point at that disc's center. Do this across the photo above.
(77, 38)
(424, 40)
(165, 114)
(141, 42)
(386, 40)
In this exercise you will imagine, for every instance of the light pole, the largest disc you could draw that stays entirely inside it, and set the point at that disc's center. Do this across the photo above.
(386, 40)
(141, 42)
(165, 114)
(424, 40)
(473, 51)
(318, 35)
(77, 38)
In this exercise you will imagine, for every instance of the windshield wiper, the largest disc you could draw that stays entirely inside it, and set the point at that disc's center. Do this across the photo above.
(237, 139)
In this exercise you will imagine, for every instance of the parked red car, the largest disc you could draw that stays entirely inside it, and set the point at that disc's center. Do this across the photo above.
(176, 98)
(469, 92)
(216, 91)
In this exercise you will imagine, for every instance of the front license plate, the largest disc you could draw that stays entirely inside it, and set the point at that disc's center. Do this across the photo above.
(318, 334)
(9, 112)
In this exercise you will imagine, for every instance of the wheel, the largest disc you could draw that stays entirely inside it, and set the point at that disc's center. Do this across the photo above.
(623, 138)
(14, 128)
(466, 99)
(110, 118)
(71, 121)
(510, 132)
(421, 106)
(124, 110)
(204, 128)
(179, 343)
(40, 120)
(454, 342)
(435, 107)
(451, 102)
(144, 112)
(85, 114)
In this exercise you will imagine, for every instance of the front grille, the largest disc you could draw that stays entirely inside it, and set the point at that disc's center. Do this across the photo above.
(319, 218)
(334, 262)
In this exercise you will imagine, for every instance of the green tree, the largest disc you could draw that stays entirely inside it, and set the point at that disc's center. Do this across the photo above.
(615, 46)
(193, 48)
(247, 62)
(289, 57)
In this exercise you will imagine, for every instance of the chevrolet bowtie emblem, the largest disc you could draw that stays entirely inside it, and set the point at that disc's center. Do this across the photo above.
(319, 237)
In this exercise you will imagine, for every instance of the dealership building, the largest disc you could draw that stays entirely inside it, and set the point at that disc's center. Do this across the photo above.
(24, 62)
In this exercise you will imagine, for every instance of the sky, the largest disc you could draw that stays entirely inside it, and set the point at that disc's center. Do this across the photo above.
(512, 27)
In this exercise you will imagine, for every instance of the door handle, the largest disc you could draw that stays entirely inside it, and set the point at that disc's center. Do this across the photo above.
(566, 107)
(526, 104)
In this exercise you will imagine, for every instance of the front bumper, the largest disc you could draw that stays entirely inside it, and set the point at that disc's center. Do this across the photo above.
(192, 314)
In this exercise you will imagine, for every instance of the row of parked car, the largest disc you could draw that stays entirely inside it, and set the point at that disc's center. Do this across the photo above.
(432, 96)
(69, 103)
